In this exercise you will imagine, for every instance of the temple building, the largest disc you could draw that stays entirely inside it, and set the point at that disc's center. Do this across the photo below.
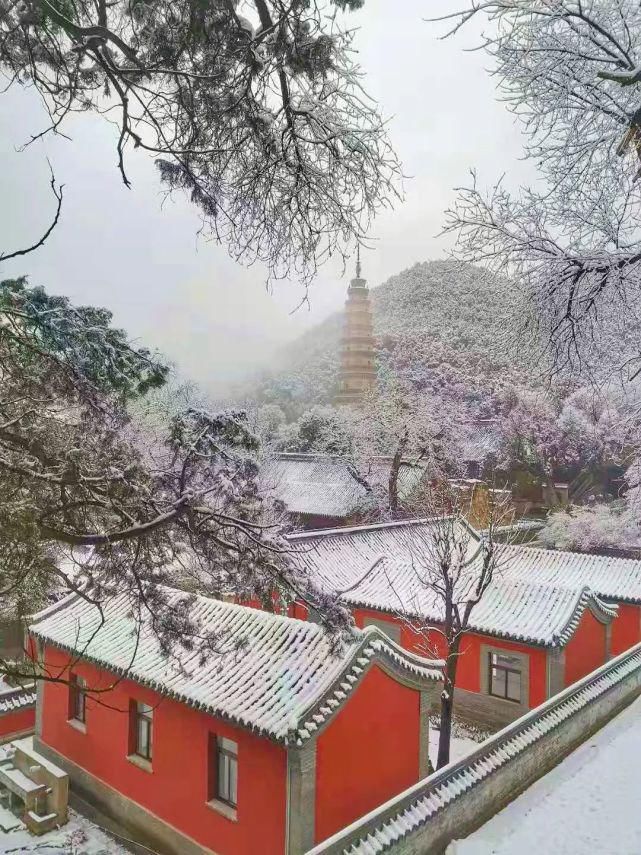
(274, 743)
(358, 359)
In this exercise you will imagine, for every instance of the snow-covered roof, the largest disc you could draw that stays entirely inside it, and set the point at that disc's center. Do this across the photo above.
(322, 485)
(379, 567)
(609, 577)
(538, 614)
(405, 539)
(275, 675)
(17, 698)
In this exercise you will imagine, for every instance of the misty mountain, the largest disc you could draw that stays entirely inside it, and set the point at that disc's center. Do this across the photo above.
(436, 315)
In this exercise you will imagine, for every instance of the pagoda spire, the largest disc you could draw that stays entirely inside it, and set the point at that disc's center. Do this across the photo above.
(358, 356)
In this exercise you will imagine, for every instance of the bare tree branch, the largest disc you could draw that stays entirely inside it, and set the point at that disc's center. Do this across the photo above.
(57, 193)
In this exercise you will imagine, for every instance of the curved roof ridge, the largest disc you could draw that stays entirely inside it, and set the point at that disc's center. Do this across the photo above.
(573, 553)
(585, 599)
(374, 648)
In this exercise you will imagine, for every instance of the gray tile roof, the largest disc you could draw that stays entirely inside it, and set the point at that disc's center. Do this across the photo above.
(321, 485)
(611, 578)
(270, 678)
(380, 566)
(17, 698)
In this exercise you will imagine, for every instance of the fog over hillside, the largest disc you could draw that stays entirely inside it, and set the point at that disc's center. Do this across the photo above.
(436, 313)
(444, 324)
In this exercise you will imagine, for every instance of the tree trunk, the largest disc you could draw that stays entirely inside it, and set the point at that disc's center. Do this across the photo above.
(395, 468)
(447, 707)
(552, 494)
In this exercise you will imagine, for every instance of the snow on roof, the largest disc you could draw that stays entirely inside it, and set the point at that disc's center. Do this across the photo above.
(609, 577)
(378, 567)
(276, 676)
(312, 484)
(405, 539)
(539, 614)
(17, 698)
(321, 485)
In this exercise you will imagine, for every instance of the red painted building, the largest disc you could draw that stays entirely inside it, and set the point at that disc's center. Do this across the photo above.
(17, 711)
(268, 747)
(528, 637)
(616, 581)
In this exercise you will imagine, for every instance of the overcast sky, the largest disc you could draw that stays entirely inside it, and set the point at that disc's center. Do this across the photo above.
(125, 250)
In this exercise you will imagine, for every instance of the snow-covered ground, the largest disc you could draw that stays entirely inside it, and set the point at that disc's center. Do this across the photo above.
(588, 805)
(78, 837)
(464, 740)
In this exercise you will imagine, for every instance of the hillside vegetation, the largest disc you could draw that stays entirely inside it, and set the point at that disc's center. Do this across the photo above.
(435, 316)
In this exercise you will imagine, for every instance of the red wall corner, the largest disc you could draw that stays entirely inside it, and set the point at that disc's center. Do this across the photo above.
(17, 722)
(353, 776)
(626, 628)
(586, 650)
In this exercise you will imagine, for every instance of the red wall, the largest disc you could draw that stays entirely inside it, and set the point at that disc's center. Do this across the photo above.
(16, 722)
(176, 790)
(353, 776)
(468, 675)
(626, 628)
(586, 650)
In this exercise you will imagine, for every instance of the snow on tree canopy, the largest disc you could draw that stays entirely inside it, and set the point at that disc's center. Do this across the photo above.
(439, 322)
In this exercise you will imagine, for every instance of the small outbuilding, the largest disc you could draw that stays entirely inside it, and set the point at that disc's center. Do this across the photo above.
(270, 745)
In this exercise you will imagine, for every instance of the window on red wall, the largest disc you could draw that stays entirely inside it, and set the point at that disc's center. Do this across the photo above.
(141, 729)
(222, 778)
(505, 677)
(77, 698)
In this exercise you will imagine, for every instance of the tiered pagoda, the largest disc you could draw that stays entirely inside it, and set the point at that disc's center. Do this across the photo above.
(358, 358)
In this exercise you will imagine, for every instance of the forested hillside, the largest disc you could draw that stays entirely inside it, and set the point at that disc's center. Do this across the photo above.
(437, 316)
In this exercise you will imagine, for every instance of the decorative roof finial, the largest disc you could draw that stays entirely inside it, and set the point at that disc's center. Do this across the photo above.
(358, 261)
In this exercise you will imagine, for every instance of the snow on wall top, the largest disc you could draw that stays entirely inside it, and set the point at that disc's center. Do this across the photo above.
(321, 485)
(379, 567)
(383, 828)
(17, 698)
(275, 675)
(609, 577)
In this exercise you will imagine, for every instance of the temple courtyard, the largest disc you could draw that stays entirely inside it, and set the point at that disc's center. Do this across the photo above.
(587, 804)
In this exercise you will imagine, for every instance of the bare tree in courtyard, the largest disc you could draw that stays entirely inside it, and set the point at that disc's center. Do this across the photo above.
(452, 568)
(254, 108)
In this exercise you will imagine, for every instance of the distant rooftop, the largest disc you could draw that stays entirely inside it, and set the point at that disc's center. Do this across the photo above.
(323, 485)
